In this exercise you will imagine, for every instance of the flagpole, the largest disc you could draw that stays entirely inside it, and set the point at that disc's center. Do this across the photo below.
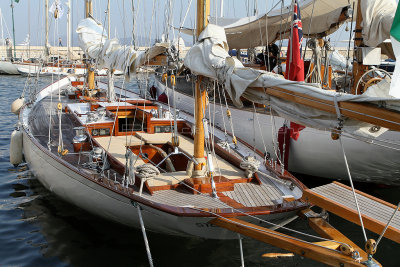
(290, 41)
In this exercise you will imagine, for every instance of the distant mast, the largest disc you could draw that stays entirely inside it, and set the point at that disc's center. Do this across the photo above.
(46, 38)
(110, 73)
(1, 25)
(109, 19)
(12, 11)
(69, 30)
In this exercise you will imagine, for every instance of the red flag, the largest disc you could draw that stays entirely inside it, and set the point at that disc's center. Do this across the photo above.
(295, 130)
(294, 61)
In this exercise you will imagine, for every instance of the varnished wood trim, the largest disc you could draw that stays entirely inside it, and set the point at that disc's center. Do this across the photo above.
(286, 242)
(324, 229)
(360, 111)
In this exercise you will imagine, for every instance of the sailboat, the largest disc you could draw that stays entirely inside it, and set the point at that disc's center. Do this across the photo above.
(6, 66)
(305, 155)
(140, 163)
(55, 65)
(131, 160)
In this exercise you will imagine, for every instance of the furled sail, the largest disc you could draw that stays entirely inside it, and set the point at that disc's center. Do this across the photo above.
(109, 53)
(209, 57)
(377, 19)
(319, 18)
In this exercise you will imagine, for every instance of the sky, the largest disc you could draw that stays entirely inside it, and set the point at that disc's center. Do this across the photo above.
(29, 18)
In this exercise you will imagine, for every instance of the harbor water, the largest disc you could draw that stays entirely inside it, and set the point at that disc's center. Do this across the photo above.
(38, 229)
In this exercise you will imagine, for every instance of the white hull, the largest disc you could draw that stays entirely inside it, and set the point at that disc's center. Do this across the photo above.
(7, 67)
(71, 184)
(29, 69)
(314, 153)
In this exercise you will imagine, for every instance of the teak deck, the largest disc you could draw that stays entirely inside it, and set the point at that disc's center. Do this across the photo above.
(258, 196)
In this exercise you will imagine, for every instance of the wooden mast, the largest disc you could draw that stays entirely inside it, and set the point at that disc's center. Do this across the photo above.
(358, 68)
(203, 11)
(90, 68)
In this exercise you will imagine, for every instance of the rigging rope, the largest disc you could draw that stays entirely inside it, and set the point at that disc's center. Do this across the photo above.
(146, 242)
(274, 233)
(339, 117)
(354, 193)
(241, 250)
(387, 225)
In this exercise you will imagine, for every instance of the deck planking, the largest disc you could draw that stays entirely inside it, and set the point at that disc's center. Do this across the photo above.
(368, 207)
(248, 194)
(253, 195)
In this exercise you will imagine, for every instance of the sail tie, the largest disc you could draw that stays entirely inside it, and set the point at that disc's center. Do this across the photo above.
(131, 160)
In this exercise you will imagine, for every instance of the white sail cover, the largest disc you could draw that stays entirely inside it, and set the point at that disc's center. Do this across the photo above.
(377, 20)
(319, 18)
(109, 53)
(209, 57)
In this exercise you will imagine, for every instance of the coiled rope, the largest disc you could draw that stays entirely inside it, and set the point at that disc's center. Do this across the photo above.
(146, 172)
(250, 165)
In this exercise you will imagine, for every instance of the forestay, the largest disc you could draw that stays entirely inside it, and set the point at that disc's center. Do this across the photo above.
(209, 57)
(108, 53)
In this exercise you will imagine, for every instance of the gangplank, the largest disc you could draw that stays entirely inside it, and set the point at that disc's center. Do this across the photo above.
(334, 253)
(337, 249)
(338, 199)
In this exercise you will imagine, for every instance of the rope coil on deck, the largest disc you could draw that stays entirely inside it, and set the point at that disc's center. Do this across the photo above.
(250, 165)
(147, 171)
